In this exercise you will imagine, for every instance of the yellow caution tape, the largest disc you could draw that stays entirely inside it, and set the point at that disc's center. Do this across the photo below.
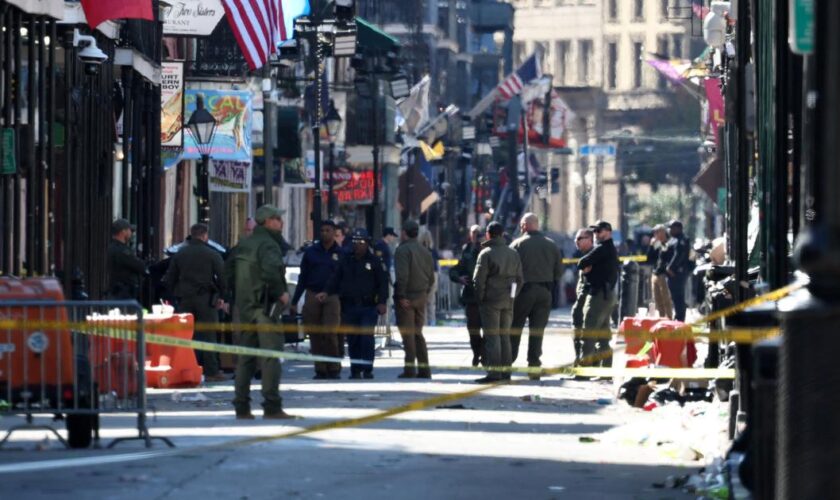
(627, 258)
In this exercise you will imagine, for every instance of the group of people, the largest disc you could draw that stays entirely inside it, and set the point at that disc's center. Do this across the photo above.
(669, 255)
(506, 285)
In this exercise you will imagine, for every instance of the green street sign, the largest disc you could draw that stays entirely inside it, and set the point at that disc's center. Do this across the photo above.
(801, 36)
(7, 152)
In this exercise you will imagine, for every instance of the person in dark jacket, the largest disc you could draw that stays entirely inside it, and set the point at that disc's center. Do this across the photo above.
(600, 272)
(584, 241)
(462, 273)
(196, 277)
(360, 282)
(678, 268)
(321, 311)
(125, 269)
(382, 248)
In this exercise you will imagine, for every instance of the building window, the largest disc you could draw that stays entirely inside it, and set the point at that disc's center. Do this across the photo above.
(639, 10)
(662, 50)
(612, 10)
(637, 64)
(562, 49)
(612, 65)
(584, 60)
(518, 53)
(664, 9)
(678, 46)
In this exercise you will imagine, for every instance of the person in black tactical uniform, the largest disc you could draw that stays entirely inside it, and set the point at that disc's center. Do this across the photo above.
(678, 268)
(361, 283)
(125, 268)
(462, 273)
(600, 273)
(196, 277)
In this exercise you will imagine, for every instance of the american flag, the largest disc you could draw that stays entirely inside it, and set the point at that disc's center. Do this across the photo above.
(261, 25)
(516, 81)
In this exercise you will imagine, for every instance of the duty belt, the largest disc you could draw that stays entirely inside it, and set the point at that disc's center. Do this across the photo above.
(358, 301)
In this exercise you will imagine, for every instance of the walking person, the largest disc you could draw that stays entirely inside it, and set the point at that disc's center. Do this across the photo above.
(425, 239)
(415, 272)
(660, 255)
(678, 268)
(497, 279)
(583, 243)
(600, 271)
(125, 269)
(258, 275)
(321, 311)
(196, 278)
(462, 273)
(542, 269)
(360, 282)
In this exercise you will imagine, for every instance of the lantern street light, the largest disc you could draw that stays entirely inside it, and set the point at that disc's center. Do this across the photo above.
(333, 122)
(202, 126)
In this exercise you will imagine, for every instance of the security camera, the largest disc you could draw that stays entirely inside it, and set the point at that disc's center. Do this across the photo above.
(91, 55)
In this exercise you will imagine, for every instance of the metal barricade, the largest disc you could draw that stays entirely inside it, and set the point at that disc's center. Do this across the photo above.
(76, 360)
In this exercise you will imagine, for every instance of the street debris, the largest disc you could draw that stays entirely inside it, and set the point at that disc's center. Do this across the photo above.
(197, 397)
(587, 439)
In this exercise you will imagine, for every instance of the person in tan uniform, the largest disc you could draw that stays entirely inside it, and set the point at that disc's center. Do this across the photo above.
(415, 277)
(661, 254)
(542, 269)
(497, 279)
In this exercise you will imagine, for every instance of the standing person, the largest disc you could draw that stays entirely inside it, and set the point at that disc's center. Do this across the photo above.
(600, 270)
(415, 272)
(542, 269)
(660, 255)
(497, 278)
(360, 282)
(321, 312)
(125, 269)
(196, 277)
(678, 268)
(425, 239)
(258, 274)
(462, 273)
(583, 243)
(382, 248)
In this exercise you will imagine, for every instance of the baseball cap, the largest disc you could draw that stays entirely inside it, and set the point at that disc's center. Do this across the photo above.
(120, 225)
(266, 212)
(360, 234)
(601, 225)
(329, 222)
(389, 231)
(411, 225)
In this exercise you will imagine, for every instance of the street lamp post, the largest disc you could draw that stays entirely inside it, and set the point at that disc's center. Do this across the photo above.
(202, 126)
(333, 122)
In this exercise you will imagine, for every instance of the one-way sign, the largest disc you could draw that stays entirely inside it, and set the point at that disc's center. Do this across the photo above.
(597, 150)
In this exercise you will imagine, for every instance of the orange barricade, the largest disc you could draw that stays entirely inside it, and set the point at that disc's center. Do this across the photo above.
(169, 366)
(673, 353)
(635, 344)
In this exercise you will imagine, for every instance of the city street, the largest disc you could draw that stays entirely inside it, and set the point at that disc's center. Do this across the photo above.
(550, 439)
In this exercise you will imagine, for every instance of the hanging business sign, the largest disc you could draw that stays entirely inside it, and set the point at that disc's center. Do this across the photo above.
(172, 104)
(192, 17)
(8, 165)
(350, 186)
(802, 26)
(232, 110)
(230, 176)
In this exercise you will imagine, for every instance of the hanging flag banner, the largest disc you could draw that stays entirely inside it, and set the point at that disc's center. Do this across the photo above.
(230, 176)
(233, 113)
(172, 104)
(715, 103)
(192, 17)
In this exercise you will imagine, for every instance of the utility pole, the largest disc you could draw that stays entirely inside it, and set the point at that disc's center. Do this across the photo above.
(268, 136)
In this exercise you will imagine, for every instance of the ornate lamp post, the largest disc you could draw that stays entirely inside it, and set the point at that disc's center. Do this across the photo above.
(202, 126)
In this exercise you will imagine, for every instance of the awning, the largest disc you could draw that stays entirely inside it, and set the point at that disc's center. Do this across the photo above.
(371, 38)
(52, 8)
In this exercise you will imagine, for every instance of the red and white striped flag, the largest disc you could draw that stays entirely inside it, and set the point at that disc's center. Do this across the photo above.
(261, 25)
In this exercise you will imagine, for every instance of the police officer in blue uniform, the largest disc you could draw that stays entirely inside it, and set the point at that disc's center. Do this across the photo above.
(382, 248)
(361, 283)
(321, 311)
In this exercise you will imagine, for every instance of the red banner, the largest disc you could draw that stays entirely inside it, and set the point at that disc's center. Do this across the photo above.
(715, 103)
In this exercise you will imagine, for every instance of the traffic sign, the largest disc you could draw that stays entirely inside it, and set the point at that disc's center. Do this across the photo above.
(597, 150)
(802, 26)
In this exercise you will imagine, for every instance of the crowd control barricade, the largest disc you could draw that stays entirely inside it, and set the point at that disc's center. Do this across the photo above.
(75, 360)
